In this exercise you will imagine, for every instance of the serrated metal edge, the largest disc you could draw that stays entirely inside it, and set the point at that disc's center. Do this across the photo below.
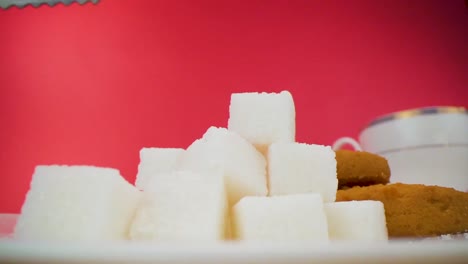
(5, 4)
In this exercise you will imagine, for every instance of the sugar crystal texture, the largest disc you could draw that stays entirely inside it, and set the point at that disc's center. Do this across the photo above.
(302, 168)
(154, 161)
(77, 203)
(243, 167)
(295, 217)
(357, 221)
(263, 118)
(182, 206)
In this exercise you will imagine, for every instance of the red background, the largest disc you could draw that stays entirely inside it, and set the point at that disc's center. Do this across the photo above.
(93, 84)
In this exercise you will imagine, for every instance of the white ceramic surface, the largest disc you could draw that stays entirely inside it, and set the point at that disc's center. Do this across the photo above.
(442, 166)
(126, 252)
(421, 130)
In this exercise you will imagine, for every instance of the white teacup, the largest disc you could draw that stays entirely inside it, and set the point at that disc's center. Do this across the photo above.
(425, 145)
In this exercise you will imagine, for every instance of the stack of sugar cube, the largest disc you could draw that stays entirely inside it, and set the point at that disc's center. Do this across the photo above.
(250, 181)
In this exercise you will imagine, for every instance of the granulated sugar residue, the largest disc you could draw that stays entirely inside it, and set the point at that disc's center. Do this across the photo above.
(446, 237)
(459, 236)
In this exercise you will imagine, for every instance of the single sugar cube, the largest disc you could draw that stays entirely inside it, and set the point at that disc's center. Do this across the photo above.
(243, 167)
(356, 220)
(154, 161)
(302, 168)
(182, 206)
(295, 217)
(263, 118)
(81, 203)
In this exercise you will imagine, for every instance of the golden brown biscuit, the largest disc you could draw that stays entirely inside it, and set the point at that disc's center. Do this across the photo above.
(360, 168)
(415, 210)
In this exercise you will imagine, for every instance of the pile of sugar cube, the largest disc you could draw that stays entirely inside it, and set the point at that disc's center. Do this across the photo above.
(250, 181)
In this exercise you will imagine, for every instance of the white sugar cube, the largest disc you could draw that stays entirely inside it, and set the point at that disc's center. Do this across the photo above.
(244, 168)
(263, 118)
(302, 168)
(154, 161)
(182, 206)
(80, 203)
(356, 220)
(296, 217)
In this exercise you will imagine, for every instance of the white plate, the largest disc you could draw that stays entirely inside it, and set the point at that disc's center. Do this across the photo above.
(429, 251)
(435, 251)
